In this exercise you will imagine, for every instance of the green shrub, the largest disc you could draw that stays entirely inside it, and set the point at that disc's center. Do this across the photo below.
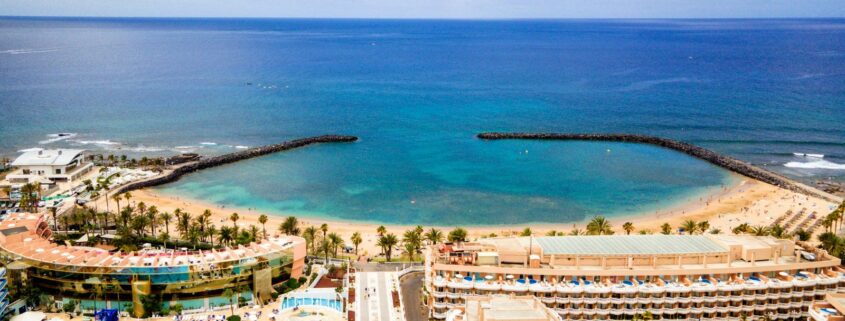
(69, 306)
(234, 318)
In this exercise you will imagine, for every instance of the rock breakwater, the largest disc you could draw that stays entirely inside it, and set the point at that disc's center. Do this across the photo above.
(726, 162)
(205, 163)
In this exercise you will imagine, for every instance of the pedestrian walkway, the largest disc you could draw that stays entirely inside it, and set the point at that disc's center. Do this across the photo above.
(373, 291)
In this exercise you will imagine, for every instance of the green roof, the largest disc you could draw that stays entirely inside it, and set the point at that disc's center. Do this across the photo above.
(628, 245)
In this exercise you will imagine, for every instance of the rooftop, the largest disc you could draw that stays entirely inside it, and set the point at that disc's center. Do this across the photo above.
(47, 157)
(20, 235)
(503, 308)
(629, 245)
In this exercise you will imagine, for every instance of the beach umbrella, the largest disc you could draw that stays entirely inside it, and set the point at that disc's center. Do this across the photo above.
(458, 275)
(488, 277)
(509, 276)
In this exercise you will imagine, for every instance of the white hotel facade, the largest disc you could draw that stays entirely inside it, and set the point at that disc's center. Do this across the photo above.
(674, 277)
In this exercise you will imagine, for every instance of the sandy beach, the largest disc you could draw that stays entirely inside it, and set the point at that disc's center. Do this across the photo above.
(748, 201)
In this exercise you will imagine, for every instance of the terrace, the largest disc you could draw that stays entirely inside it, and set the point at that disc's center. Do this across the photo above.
(26, 236)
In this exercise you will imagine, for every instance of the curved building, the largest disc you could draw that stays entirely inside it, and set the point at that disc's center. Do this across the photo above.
(672, 277)
(101, 279)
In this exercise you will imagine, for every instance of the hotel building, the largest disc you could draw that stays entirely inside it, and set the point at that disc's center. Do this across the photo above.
(99, 279)
(831, 309)
(49, 167)
(673, 277)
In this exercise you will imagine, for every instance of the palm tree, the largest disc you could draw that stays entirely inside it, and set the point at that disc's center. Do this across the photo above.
(386, 243)
(202, 221)
(526, 232)
(628, 227)
(325, 247)
(152, 216)
(336, 241)
(742, 228)
(778, 231)
(703, 226)
(234, 218)
(434, 236)
(356, 240)
(183, 223)
(690, 226)
(381, 230)
(760, 230)
(116, 198)
(263, 220)
(211, 231)
(803, 235)
(207, 215)
(127, 196)
(412, 238)
(165, 217)
(226, 235)
(290, 226)
(599, 226)
(666, 229)
(457, 235)
(325, 229)
(576, 232)
(310, 235)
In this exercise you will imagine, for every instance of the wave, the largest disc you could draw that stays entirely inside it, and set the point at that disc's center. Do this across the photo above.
(208, 143)
(104, 142)
(820, 164)
(241, 147)
(808, 155)
(57, 137)
(26, 51)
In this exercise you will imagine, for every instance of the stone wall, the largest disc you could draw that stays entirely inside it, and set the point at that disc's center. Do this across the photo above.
(712, 157)
(231, 158)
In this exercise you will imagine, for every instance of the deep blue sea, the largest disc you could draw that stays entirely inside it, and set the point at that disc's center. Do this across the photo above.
(417, 91)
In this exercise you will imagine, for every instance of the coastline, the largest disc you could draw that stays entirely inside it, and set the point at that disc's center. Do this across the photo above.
(746, 201)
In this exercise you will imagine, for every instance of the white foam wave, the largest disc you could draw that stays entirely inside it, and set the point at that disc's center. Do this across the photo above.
(142, 149)
(241, 147)
(809, 155)
(57, 137)
(26, 51)
(820, 164)
(104, 142)
(208, 143)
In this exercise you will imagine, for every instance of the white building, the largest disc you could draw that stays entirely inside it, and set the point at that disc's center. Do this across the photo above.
(49, 167)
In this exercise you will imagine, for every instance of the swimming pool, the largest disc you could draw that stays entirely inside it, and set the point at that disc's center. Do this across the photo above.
(289, 303)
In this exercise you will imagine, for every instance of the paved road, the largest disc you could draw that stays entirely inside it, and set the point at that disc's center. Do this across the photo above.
(373, 292)
(411, 290)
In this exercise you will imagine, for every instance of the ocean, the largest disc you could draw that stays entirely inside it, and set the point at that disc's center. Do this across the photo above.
(417, 91)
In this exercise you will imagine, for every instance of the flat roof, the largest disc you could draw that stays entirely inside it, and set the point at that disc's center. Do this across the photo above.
(629, 245)
(52, 157)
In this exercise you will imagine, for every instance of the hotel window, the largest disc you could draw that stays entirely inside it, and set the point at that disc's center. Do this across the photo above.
(58, 170)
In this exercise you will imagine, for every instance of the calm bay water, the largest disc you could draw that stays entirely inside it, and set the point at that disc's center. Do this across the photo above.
(417, 91)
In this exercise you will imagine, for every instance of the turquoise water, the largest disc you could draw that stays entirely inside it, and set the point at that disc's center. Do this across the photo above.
(479, 183)
(416, 93)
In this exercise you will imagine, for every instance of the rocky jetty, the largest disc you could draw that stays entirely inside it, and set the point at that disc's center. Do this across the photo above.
(204, 163)
(712, 157)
